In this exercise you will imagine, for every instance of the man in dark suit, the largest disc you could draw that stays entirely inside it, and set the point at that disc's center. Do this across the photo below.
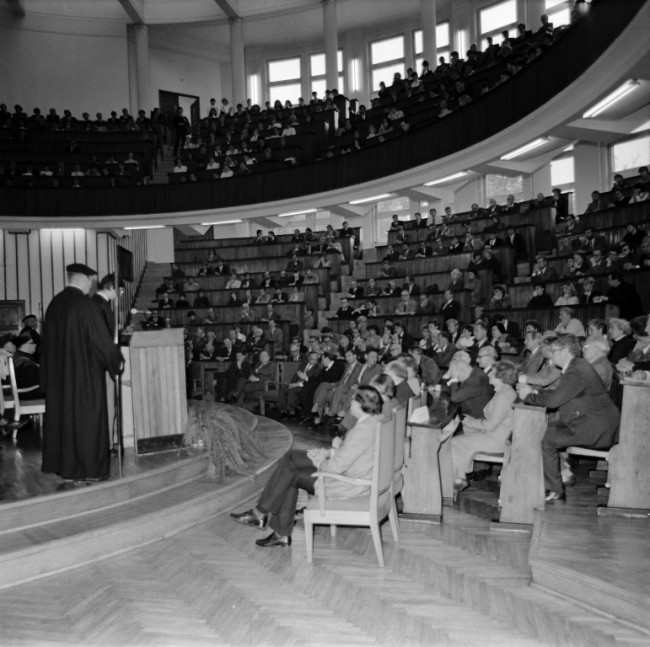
(450, 309)
(289, 394)
(623, 295)
(403, 338)
(542, 272)
(517, 242)
(221, 269)
(355, 291)
(444, 349)
(494, 241)
(427, 368)
(532, 359)
(331, 371)
(412, 287)
(587, 417)
(481, 328)
(540, 298)
(469, 386)
(589, 295)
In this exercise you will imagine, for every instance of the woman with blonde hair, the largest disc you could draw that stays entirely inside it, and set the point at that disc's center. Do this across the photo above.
(568, 296)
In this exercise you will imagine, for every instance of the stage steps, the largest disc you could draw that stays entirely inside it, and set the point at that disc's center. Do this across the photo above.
(49, 534)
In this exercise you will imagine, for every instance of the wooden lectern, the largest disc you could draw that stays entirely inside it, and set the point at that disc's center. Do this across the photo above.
(629, 493)
(522, 476)
(159, 395)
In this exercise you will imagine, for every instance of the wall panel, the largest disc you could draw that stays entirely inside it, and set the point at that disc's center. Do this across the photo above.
(32, 265)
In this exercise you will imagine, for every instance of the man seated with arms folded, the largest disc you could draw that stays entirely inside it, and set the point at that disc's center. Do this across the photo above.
(353, 457)
(639, 357)
(489, 431)
(510, 206)
(468, 385)
(426, 305)
(587, 417)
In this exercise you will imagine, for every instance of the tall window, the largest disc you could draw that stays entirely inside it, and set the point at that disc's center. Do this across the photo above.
(442, 45)
(384, 216)
(284, 80)
(500, 186)
(629, 155)
(563, 171)
(558, 12)
(386, 58)
(498, 18)
(317, 71)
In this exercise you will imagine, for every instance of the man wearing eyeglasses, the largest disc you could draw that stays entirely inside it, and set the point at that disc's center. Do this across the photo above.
(587, 417)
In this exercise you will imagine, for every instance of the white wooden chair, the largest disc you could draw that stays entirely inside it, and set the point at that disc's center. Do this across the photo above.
(399, 417)
(368, 510)
(26, 407)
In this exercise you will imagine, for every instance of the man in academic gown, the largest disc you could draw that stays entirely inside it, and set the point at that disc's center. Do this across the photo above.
(77, 352)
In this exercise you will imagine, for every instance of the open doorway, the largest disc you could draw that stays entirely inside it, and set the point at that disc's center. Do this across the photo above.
(170, 101)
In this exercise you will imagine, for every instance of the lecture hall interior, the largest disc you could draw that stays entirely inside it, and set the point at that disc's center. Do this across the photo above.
(386, 263)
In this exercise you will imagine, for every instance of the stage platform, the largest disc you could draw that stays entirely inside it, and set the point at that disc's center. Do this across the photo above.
(43, 531)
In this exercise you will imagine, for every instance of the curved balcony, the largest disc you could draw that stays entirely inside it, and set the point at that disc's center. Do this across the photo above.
(592, 55)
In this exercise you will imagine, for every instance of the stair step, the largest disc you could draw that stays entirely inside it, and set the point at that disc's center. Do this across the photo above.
(45, 535)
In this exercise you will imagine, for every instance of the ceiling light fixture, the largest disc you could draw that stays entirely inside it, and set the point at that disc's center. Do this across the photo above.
(223, 222)
(536, 143)
(374, 198)
(296, 213)
(449, 178)
(612, 98)
(143, 227)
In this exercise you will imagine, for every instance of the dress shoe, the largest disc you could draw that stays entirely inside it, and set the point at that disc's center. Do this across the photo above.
(274, 540)
(551, 497)
(249, 518)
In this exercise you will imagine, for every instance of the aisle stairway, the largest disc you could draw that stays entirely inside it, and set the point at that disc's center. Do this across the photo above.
(146, 300)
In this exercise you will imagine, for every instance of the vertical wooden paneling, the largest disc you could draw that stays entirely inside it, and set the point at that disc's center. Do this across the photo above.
(11, 271)
(91, 248)
(32, 266)
(47, 278)
(58, 262)
(3, 256)
(37, 306)
(79, 236)
(23, 270)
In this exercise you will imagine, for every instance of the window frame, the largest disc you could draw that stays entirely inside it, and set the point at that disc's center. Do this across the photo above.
(284, 82)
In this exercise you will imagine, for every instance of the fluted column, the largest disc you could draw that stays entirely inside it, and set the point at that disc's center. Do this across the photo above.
(142, 66)
(428, 21)
(330, 31)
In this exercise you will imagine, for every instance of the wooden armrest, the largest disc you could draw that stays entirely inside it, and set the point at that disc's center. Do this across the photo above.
(320, 485)
(27, 389)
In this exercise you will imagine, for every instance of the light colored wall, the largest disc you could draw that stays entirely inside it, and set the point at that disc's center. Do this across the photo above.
(32, 263)
(175, 72)
(63, 63)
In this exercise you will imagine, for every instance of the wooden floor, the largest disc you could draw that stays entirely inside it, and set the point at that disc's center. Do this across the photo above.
(458, 583)
(211, 585)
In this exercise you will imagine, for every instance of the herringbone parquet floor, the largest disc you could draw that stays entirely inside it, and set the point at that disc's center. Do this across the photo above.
(211, 585)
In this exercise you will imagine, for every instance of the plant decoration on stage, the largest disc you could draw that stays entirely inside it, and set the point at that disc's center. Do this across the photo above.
(226, 433)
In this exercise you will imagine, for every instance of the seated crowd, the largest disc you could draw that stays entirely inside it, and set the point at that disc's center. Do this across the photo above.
(236, 140)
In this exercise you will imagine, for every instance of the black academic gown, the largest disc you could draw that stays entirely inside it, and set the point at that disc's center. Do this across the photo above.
(77, 352)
